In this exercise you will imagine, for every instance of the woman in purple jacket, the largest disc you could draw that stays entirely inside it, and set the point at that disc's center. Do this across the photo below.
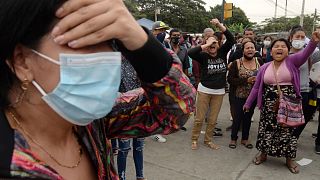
(273, 139)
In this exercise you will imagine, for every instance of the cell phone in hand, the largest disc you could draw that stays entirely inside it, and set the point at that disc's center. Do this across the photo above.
(255, 73)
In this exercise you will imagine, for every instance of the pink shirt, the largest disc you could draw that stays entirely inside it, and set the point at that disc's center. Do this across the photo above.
(283, 73)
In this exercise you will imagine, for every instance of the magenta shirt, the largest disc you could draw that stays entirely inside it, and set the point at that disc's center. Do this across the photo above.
(293, 63)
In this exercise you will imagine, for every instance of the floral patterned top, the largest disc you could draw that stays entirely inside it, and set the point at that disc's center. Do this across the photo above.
(238, 77)
(159, 107)
(243, 91)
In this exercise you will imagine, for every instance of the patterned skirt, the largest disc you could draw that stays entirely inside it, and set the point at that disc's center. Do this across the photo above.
(274, 139)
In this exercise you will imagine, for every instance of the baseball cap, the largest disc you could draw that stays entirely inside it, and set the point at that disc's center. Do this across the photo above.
(159, 25)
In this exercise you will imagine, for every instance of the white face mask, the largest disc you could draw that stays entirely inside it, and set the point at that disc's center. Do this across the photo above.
(298, 44)
(267, 43)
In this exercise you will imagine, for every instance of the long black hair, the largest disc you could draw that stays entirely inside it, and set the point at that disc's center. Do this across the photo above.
(22, 22)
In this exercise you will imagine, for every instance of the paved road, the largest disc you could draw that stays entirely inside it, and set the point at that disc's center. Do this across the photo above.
(174, 160)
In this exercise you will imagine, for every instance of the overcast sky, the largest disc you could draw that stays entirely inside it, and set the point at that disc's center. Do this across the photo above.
(258, 10)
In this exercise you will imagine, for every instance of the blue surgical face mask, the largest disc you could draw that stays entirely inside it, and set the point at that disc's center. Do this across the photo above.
(88, 86)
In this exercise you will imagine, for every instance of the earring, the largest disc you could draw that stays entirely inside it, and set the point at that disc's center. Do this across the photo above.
(24, 85)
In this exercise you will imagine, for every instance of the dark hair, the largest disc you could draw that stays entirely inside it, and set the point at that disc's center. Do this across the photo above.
(243, 44)
(294, 30)
(22, 22)
(251, 39)
(174, 30)
(218, 35)
(295, 26)
(283, 40)
(267, 36)
(248, 29)
(239, 36)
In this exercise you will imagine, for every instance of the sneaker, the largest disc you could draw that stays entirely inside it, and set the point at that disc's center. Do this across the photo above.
(317, 149)
(217, 134)
(183, 128)
(217, 129)
(159, 138)
(314, 135)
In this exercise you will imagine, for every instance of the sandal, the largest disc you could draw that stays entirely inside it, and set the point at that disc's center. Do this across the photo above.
(246, 144)
(293, 168)
(194, 145)
(258, 160)
(212, 146)
(233, 145)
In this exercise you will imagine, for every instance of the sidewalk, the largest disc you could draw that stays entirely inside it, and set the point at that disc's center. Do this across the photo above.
(174, 160)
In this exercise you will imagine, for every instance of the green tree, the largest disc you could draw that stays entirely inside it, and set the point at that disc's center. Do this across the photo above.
(187, 15)
(238, 17)
(285, 24)
(133, 8)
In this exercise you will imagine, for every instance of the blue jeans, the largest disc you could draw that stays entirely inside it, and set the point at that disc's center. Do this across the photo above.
(114, 145)
(124, 148)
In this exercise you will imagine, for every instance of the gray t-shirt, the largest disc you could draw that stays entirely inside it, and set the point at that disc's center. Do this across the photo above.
(305, 71)
(316, 58)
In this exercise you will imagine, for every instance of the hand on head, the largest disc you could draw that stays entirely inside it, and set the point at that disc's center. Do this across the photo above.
(89, 22)
(210, 40)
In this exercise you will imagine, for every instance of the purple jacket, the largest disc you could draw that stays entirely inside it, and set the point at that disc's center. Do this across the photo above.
(293, 63)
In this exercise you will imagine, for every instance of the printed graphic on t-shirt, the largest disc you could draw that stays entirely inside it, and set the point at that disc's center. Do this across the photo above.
(216, 66)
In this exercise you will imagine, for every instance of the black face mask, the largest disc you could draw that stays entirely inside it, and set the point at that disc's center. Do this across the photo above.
(175, 40)
(247, 57)
(161, 37)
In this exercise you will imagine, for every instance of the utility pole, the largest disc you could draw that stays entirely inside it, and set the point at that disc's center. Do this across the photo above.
(302, 13)
(275, 10)
(314, 19)
(222, 15)
(155, 11)
(286, 10)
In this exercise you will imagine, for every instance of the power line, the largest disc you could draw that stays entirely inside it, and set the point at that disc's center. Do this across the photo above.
(281, 7)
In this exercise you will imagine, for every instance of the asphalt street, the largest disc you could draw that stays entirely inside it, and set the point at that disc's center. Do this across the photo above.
(174, 160)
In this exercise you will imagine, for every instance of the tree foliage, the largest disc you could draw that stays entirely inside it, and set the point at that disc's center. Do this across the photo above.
(187, 15)
(191, 16)
(238, 17)
(283, 24)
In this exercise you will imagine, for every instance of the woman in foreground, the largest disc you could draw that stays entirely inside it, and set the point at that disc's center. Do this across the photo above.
(274, 139)
(59, 103)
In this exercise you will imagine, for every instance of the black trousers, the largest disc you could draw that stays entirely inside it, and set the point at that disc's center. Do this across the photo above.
(318, 132)
(241, 117)
(308, 112)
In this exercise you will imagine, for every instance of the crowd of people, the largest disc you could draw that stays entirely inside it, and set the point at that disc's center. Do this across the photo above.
(249, 68)
(78, 90)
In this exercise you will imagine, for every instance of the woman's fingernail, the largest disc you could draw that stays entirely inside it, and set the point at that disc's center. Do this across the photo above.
(59, 39)
(59, 11)
(55, 31)
(72, 44)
